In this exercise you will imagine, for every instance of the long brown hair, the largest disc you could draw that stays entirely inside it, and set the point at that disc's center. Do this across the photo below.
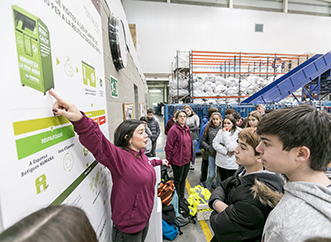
(255, 114)
(211, 121)
(187, 106)
(233, 121)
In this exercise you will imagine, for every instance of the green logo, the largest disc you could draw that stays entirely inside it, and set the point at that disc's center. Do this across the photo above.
(85, 151)
(41, 183)
(89, 77)
(114, 87)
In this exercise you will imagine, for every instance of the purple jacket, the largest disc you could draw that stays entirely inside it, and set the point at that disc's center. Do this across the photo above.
(133, 175)
(178, 149)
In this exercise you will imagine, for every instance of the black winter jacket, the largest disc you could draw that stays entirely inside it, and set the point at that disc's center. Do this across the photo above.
(154, 127)
(250, 198)
(206, 140)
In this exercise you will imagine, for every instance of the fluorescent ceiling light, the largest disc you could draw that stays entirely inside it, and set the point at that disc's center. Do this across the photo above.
(154, 90)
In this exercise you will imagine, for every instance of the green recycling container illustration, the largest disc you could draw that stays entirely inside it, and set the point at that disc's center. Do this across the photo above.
(33, 50)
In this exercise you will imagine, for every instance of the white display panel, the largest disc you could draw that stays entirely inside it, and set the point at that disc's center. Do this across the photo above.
(51, 44)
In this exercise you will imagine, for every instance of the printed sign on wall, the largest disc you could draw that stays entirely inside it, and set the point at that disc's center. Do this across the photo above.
(51, 44)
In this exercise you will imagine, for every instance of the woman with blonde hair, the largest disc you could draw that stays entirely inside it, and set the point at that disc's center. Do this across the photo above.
(193, 122)
(253, 119)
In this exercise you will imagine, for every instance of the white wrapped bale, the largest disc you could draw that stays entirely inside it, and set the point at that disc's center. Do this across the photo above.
(231, 91)
(220, 80)
(208, 86)
(199, 93)
(198, 86)
(182, 92)
(210, 78)
(199, 78)
(198, 101)
(220, 89)
(231, 82)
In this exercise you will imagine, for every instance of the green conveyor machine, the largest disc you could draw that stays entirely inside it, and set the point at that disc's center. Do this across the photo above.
(33, 50)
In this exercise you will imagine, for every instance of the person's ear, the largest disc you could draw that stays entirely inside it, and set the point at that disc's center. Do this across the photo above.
(258, 159)
(303, 154)
(126, 136)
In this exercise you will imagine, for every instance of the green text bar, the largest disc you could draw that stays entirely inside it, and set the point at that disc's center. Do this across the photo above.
(32, 144)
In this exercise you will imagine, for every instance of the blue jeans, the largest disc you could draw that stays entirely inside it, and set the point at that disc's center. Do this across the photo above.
(195, 144)
(211, 173)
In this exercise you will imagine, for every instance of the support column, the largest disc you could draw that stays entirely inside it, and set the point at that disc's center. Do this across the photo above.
(230, 3)
(285, 6)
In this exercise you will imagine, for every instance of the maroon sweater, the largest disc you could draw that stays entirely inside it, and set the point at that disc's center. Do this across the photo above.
(133, 175)
(179, 149)
(170, 123)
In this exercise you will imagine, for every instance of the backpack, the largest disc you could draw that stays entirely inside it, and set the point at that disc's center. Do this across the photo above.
(182, 221)
(185, 211)
(169, 231)
(166, 173)
(166, 191)
(168, 214)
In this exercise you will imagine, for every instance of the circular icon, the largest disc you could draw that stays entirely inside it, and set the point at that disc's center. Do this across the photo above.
(68, 69)
(68, 162)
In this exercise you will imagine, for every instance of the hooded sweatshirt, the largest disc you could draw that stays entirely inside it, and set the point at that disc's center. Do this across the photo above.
(303, 213)
(179, 148)
(133, 175)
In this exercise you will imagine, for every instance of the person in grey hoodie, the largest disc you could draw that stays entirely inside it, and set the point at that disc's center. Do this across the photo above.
(296, 141)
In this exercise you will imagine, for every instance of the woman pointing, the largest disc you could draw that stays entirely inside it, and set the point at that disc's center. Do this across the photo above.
(133, 175)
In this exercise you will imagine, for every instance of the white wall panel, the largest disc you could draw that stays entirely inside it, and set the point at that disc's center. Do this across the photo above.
(164, 28)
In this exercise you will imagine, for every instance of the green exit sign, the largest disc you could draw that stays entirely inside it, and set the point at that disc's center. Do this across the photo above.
(114, 87)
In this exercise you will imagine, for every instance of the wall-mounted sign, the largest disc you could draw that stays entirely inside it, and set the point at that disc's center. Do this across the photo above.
(114, 87)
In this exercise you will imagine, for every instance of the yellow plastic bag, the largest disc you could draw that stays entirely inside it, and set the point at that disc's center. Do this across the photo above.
(199, 195)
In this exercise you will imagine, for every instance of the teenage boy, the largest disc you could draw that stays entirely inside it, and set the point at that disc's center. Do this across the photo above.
(296, 142)
(242, 202)
(154, 127)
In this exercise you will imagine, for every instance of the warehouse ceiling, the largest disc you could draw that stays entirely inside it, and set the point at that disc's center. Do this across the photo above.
(307, 7)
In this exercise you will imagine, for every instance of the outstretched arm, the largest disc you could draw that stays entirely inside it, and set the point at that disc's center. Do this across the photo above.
(65, 108)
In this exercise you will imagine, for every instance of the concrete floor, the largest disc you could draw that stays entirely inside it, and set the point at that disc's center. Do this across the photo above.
(201, 231)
